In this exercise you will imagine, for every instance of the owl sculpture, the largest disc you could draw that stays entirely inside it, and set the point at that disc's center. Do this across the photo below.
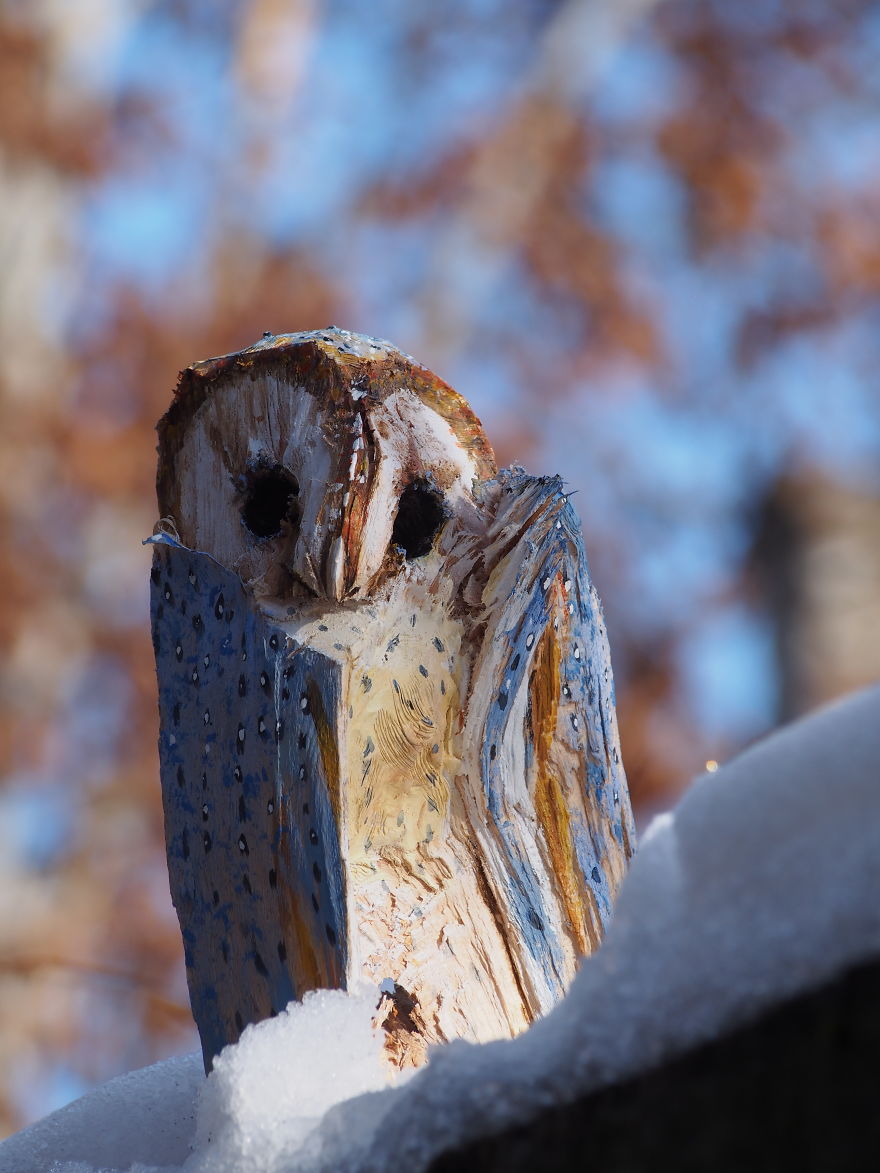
(388, 740)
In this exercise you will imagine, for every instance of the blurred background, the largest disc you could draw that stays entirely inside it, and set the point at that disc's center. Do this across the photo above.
(640, 237)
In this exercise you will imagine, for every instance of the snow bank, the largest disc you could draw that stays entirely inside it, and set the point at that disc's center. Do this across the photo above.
(762, 883)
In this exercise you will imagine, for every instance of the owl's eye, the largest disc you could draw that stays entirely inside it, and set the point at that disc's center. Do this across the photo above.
(269, 500)
(420, 513)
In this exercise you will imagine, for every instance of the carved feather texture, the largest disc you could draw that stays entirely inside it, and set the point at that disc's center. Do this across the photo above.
(388, 740)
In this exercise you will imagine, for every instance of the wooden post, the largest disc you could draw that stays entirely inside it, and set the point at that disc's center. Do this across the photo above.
(388, 740)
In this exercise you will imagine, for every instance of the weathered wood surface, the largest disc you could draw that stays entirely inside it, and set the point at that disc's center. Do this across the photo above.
(383, 668)
(794, 1090)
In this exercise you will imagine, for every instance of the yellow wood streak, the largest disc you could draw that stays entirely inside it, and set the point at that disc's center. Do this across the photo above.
(327, 732)
(549, 797)
(314, 965)
(312, 968)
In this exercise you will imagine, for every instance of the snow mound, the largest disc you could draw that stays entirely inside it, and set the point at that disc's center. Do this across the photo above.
(259, 1105)
(147, 1116)
(761, 884)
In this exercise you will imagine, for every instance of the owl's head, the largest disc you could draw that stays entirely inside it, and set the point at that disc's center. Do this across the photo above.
(317, 463)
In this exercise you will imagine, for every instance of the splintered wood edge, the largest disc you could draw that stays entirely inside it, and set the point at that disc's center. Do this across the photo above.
(332, 361)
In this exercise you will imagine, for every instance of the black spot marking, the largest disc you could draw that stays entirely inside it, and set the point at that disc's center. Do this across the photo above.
(535, 921)
(246, 884)
(420, 514)
(315, 903)
(219, 606)
(243, 845)
(184, 843)
(206, 840)
(594, 875)
(502, 700)
(154, 575)
(273, 878)
(198, 625)
(242, 685)
(178, 652)
(305, 808)
(181, 777)
(239, 1021)
(216, 898)
(270, 500)
(423, 670)
(242, 812)
(331, 935)
(366, 683)
(282, 951)
(438, 644)
(323, 627)
(301, 741)
(273, 642)
(260, 965)
(514, 663)
(316, 872)
(493, 750)
(205, 812)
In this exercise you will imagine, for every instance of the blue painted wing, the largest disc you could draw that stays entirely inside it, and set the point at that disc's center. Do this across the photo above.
(560, 829)
(247, 773)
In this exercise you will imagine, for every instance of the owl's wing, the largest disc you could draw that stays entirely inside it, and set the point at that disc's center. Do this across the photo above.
(542, 716)
(247, 777)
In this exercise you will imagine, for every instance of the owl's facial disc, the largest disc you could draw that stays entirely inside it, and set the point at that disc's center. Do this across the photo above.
(316, 466)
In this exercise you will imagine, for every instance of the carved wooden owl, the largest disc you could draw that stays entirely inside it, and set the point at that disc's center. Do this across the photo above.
(388, 739)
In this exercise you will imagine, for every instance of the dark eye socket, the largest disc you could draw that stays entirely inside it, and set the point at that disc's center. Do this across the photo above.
(270, 493)
(420, 513)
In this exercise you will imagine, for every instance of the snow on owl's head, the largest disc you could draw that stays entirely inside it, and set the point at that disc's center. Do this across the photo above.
(313, 464)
